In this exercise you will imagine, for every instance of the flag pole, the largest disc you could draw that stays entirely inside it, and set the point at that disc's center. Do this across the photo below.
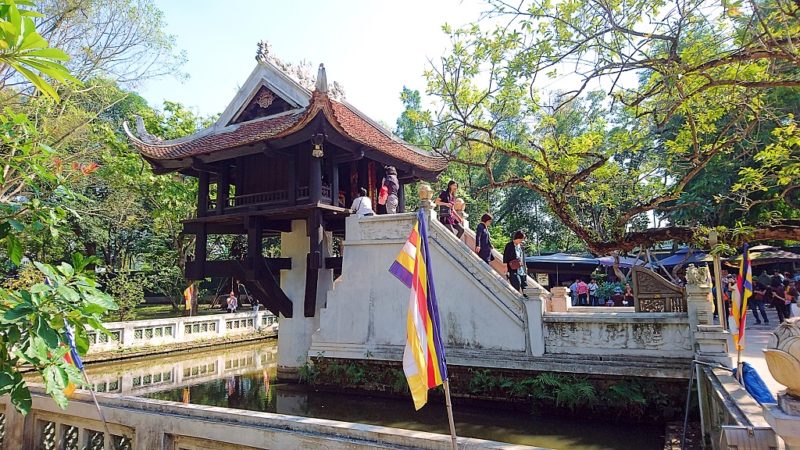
(453, 436)
(740, 322)
(99, 411)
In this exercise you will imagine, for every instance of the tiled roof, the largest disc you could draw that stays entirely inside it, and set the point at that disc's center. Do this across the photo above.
(232, 136)
(346, 119)
(366, 133)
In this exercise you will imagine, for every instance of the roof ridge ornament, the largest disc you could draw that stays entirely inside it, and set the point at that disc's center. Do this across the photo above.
(144, 135)
(322, 80)
(262, 52)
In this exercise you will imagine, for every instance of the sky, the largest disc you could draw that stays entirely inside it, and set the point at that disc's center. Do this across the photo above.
(372, 47)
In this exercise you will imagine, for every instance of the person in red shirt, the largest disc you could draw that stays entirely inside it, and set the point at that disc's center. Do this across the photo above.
(583, 293)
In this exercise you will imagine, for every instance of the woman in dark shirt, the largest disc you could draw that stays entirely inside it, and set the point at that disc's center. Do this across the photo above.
(446, 201)
(392, 186)
(514, 258)
(483, 245)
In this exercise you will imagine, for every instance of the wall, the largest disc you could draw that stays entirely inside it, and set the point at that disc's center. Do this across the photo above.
(642, 334)
(366, 308)
(143, 333)
(140, 424)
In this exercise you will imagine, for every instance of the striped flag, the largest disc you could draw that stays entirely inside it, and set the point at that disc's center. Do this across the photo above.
(744, 284)
(189, 295)
(423, 358)
(72, 357)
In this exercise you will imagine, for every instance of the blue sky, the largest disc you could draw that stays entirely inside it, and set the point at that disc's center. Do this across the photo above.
(372, 47)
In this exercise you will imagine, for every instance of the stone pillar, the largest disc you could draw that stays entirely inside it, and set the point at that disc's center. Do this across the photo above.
(559, 299)
(425, 202)
(710, 341)
(783, 359)
(294, 334)
(534, 310)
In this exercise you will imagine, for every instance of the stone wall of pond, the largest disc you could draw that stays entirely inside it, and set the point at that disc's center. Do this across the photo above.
(485, 323)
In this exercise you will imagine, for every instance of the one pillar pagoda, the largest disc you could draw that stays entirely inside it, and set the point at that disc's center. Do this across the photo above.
(280, 154)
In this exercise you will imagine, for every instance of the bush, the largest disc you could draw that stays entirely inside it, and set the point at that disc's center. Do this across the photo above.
(606, 290)
(128, 292)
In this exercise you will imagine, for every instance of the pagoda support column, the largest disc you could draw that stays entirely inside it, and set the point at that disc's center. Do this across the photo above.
(294, 334)
(202, 194)
(315, 180)
(335, 184)
(200, 243)
(401, 198)
(292, 180)
(223, 189)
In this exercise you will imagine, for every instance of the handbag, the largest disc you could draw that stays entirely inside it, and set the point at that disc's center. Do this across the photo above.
(515, 264)
(383, 194)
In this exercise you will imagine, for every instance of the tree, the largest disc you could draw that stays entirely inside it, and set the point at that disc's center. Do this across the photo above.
(705, 73)
(34, 319)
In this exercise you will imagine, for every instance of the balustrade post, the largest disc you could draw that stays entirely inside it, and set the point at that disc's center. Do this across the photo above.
(559, 299)
(710, 341)
(534, 309)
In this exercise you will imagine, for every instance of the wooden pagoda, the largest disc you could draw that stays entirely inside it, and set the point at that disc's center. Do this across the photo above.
(280, 153)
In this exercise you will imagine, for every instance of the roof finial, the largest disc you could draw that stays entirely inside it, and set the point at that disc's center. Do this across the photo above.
(262, 54)
(322, 80)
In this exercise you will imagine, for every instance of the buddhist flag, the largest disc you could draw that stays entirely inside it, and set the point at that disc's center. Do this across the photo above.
(72, 356)
(423, 358)
(744, 284)
(189, 295)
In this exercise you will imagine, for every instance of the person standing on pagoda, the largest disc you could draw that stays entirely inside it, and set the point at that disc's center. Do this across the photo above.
(393, 187)
(446, 203)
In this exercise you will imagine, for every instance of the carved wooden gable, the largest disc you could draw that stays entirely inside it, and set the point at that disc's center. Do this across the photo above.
(655, 293)
(264, 103)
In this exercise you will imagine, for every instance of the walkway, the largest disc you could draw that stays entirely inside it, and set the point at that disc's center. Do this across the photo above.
(756, 339)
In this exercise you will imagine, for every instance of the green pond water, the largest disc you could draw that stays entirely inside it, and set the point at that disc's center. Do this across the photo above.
(243, 377)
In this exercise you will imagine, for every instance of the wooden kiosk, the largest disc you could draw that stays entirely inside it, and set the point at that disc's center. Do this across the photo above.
(280, 153)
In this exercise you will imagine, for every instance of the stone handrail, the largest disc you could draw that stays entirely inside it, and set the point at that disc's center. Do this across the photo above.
(173, 330)
(731, 417)
(497, 263)
(139, 424)
(493, 281)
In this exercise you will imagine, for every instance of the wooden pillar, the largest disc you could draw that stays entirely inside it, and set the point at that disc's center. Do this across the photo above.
(401, 198)
(292, 187)
(315, 180)
(255, 231)
(200, 243)
(240, 175)
(223, 189)
(335, 185)
(202, 194)
(314, 261)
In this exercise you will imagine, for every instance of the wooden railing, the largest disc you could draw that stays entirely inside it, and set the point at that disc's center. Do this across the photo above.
(267, 198)
(260, 198)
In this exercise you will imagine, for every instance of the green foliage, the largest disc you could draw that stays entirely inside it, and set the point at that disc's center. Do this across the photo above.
(308, 373)
(128, 292)
(32, 328)
(606, 289)
(26, 51)
(605, 163)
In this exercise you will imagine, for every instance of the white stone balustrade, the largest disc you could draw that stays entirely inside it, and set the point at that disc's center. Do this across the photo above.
(175, 330)
(145, 424)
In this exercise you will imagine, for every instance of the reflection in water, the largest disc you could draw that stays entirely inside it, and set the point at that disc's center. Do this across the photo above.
(242, 377)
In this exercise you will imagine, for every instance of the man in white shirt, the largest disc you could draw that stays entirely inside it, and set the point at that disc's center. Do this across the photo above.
(362, 205)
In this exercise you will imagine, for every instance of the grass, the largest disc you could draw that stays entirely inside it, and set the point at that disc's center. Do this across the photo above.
(147, 312)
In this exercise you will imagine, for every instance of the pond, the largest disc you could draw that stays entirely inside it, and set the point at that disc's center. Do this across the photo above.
(243, 377)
